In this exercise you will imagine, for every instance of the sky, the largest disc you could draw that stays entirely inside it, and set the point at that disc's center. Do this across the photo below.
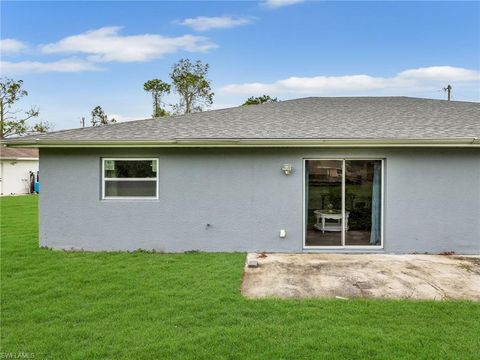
(73, 56)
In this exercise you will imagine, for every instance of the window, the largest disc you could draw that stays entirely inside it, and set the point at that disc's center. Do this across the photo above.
(130, 178)
(343, 203)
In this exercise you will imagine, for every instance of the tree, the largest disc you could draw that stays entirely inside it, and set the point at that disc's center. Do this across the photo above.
(42, 127)
(191, 84)
(157, 88)
(259, 100)
(100, 118)
(11, 123)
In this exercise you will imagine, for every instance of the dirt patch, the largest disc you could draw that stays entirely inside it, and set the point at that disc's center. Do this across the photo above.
(433, 277)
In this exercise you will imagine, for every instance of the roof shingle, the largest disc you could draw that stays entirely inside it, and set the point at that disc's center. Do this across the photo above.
(313, 118)
(17, 153)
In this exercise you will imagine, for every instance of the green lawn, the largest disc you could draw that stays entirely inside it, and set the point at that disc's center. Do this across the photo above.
(144, 306)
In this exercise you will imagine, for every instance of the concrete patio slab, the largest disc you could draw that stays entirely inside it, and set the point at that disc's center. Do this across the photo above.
(432, 277)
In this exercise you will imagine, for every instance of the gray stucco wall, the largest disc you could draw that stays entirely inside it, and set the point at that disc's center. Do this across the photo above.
(432, 200)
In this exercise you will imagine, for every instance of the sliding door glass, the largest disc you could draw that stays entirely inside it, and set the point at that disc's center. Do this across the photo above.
(343, 200)
(363, 202)
(324, 202)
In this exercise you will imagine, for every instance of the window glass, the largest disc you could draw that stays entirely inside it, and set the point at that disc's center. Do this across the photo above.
(323, 202)
(130, 178)
(130, 188)
(343, 202)
(363, 183)
(130, 169)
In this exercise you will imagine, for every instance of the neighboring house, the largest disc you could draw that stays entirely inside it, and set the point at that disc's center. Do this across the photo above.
(369, 174)
(16, 165)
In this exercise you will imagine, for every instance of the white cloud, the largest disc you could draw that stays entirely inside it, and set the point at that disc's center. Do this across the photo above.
(11, 46)
(65, 65)
(443, 73)
(105, 44)
(274, 4)
(204, 23)
(434, 77)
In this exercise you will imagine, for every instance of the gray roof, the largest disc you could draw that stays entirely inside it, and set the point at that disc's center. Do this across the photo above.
(313, 118)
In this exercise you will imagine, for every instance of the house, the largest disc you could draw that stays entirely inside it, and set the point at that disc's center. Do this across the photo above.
(17, 166)
(365, 174)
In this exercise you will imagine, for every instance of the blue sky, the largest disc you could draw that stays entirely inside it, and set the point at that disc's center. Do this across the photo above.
(73, 56)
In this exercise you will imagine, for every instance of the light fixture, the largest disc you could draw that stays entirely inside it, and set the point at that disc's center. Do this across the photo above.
(287, 169)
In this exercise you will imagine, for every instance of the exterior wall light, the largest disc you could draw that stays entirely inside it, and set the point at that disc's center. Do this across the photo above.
(287, 169)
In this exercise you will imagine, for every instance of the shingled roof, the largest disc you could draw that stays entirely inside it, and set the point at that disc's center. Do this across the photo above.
(311, 119)
(18, 153)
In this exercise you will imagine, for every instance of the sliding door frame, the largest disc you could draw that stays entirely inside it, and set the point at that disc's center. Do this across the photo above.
(305, 204)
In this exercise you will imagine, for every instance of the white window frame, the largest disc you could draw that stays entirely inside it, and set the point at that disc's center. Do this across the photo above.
(344, 246)
(104, 179)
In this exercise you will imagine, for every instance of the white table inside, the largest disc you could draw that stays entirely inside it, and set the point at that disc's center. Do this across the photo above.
(323, 225)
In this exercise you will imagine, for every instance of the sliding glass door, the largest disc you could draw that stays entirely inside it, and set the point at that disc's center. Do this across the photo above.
(343, 203)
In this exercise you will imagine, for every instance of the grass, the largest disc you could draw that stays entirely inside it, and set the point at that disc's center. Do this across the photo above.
(61, 305)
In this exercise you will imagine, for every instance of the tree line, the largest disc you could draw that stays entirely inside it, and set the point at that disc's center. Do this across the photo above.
(188, 80)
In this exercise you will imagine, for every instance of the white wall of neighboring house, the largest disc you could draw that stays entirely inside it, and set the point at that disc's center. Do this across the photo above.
(15, 175)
